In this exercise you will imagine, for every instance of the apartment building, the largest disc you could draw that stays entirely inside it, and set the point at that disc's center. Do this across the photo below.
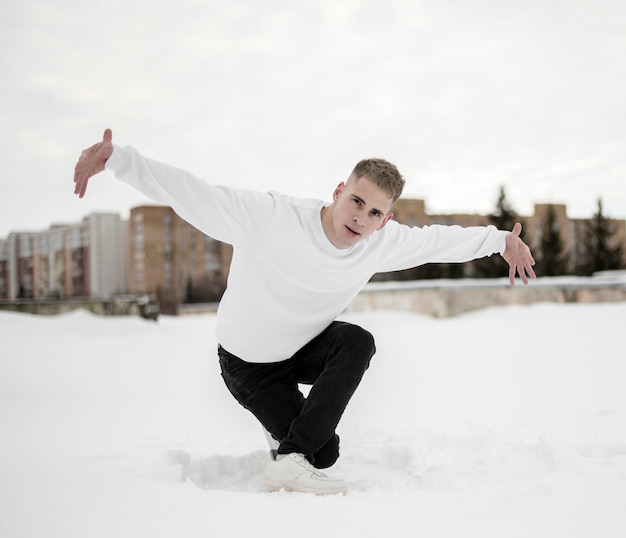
(87, 259)
(172, 259)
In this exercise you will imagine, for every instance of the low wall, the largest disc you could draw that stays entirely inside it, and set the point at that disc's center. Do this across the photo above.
(118, 306)
(447, 298)
(437, 298)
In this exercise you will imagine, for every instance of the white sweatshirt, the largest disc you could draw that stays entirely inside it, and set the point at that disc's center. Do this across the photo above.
(287, 281)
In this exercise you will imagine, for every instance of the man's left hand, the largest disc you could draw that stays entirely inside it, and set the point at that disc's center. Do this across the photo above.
(518, 256)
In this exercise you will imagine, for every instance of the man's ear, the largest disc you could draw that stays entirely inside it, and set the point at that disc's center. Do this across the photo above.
(385, 221)
(337, 192)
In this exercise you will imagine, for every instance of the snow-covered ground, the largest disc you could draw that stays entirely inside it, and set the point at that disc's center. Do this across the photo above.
(507, 422)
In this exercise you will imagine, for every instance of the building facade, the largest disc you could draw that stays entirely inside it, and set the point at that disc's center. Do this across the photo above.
(572, 231)
(172, 259)
(87, 259)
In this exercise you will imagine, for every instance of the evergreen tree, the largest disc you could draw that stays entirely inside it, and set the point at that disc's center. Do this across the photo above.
(504, 218)
(598, 254)
(552, 260)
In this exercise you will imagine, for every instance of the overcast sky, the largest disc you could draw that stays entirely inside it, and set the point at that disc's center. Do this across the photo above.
(464, 96)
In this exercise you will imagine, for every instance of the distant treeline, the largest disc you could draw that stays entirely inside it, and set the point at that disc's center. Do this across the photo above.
(595, 246)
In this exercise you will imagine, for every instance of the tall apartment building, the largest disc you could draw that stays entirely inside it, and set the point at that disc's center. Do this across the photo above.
(87, 259)
(172, 259)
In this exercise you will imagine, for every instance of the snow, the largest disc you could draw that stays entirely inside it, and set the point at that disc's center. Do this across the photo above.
(504, 422)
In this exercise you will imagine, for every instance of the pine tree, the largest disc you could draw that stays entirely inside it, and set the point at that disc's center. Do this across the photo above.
(552, 260)
(598, 254)
(504, 218)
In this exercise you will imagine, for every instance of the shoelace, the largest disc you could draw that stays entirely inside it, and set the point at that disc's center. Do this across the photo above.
(307, 464)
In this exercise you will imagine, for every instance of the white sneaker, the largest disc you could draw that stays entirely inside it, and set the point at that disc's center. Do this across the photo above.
(293, 472)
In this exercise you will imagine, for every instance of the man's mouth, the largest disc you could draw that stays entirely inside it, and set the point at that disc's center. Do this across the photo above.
(351, 231)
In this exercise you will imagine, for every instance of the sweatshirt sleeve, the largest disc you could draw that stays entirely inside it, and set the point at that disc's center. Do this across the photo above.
(409, 247)
(229, 215)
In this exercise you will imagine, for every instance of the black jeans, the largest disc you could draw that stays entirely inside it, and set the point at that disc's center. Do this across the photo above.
(333, 363)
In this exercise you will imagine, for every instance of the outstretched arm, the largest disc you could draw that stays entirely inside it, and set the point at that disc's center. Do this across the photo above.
(91, 162)
(518, 256)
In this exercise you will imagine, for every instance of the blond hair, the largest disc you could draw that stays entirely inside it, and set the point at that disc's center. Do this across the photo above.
(381, 172)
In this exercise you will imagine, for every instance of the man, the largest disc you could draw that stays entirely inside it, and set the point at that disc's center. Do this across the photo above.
(297, 264)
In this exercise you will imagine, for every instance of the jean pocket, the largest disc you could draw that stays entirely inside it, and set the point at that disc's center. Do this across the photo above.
(229, 363)
(238, 376)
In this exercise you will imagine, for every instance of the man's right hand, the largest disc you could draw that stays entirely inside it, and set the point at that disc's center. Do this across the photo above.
(91, 162)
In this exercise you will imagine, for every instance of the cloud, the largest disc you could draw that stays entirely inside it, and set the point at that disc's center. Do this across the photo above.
(461, 95)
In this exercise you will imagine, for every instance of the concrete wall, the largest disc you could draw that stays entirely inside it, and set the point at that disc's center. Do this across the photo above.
(447, 298)
(437, 298)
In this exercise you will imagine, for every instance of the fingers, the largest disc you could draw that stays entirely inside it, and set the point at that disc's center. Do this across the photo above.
(81, 177)
(91, 162)
(524, 268)
(527, 264)
(517, 229)
(522, 273)
(81, 188)
(520, 270)
(78, 182)
(80, 185)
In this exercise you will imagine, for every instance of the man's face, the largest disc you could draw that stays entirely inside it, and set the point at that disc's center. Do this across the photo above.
(359, 209)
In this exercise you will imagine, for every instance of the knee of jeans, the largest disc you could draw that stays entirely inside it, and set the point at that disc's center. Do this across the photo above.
(363, 340)
(328, 454)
